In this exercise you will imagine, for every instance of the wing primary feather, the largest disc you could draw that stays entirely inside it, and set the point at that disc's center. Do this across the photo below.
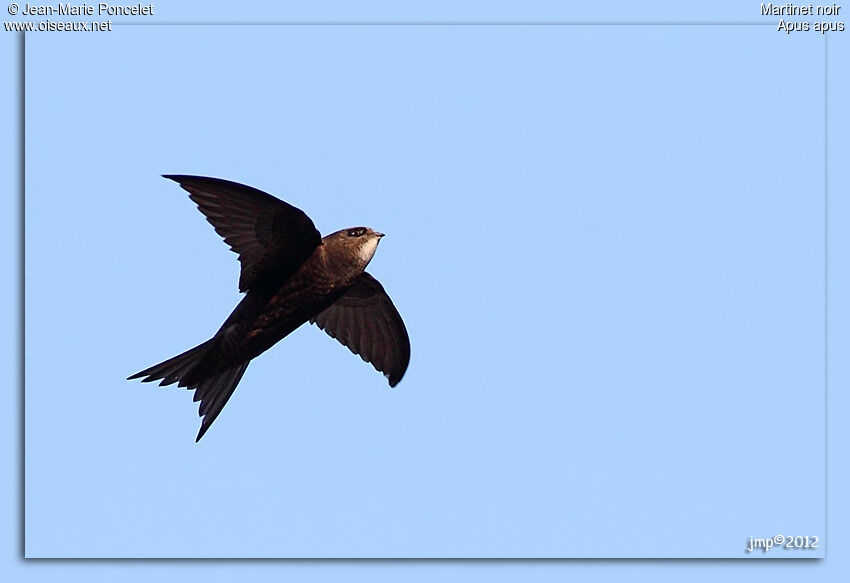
(268, 234)
(365, 321)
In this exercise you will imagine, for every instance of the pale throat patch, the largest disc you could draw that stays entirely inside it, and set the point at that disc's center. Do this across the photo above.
(367, 250)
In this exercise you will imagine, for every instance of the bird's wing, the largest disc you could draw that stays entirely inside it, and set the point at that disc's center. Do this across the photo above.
(366, 321)
(271, 237)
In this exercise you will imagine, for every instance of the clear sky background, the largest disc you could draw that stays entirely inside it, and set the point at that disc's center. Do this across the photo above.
(607, 243)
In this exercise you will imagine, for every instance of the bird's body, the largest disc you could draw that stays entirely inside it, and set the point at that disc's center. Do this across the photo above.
(291, 276)
(274, 309)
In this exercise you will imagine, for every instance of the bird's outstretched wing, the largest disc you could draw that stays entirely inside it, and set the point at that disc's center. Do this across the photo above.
(271, 237)
(366, 321)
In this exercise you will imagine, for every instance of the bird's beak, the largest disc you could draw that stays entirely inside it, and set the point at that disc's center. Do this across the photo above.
(379, 234)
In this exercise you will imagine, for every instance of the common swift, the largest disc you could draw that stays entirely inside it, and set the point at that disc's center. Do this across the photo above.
(292, 275)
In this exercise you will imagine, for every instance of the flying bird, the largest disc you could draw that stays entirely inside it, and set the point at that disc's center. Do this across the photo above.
(290, 275)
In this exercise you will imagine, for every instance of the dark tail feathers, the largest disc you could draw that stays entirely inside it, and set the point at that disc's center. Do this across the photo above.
(212, 392)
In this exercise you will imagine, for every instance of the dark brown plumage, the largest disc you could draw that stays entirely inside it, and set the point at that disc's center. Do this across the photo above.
(291, 275)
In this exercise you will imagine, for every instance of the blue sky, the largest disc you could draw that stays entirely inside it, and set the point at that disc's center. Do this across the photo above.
(607, 243)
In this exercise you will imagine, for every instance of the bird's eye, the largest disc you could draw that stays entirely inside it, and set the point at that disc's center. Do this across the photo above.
(356, 232)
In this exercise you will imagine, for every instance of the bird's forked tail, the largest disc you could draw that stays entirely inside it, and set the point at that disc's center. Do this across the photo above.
(213, 392)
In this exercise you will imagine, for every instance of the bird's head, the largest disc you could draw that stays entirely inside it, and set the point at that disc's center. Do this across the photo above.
(359, 244)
